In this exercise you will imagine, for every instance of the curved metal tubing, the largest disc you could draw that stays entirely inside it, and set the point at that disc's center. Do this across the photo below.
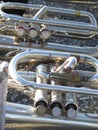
(73, 27)
(25, 113)
(53, 55)
(65, 26)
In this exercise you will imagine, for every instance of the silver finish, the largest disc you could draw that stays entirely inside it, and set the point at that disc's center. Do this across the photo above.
(7, 42)
(40, 101)
(56, 97)
(56, 100)
(67, 24)
(40, 12)
(40, 112)
(56, 103)
(49, 55)
(70, 63)
(71, 106)
(24, 113)
(42, 75)
(63, 27)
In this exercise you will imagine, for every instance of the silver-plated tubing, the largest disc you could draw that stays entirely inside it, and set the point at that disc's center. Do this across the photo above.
(51, 55)
(28, 75)
(56, 103)
(19, 108)
(81, 120)
(9, 42)
(12, 5)
(40, 12)
(56, 100)
(42, 73)
(73, 31)
(71, 106)
(76, 25)
(40, 101)
(71, 63)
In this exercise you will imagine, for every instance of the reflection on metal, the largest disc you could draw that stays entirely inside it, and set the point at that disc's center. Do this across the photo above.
(39, 23)
(53, 55)
(56, 82)
(73, 27)
(23, 113)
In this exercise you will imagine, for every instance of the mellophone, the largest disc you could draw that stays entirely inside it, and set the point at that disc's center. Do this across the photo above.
(58, 84)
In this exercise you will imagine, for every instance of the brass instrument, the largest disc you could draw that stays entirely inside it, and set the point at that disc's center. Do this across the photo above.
(64, 95)
(38, 24)
(58, 89)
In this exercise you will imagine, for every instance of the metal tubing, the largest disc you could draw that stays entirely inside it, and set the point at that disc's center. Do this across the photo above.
(56, 103)
(19, 108)
(51, 55)
(40, 101)
(71, 106)
(71, 63)
(13, 5)
(40, 12)
(56, 99)
(15, 108)
(76, 25)
(10, 43)
(55, 55)
(83, 121)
